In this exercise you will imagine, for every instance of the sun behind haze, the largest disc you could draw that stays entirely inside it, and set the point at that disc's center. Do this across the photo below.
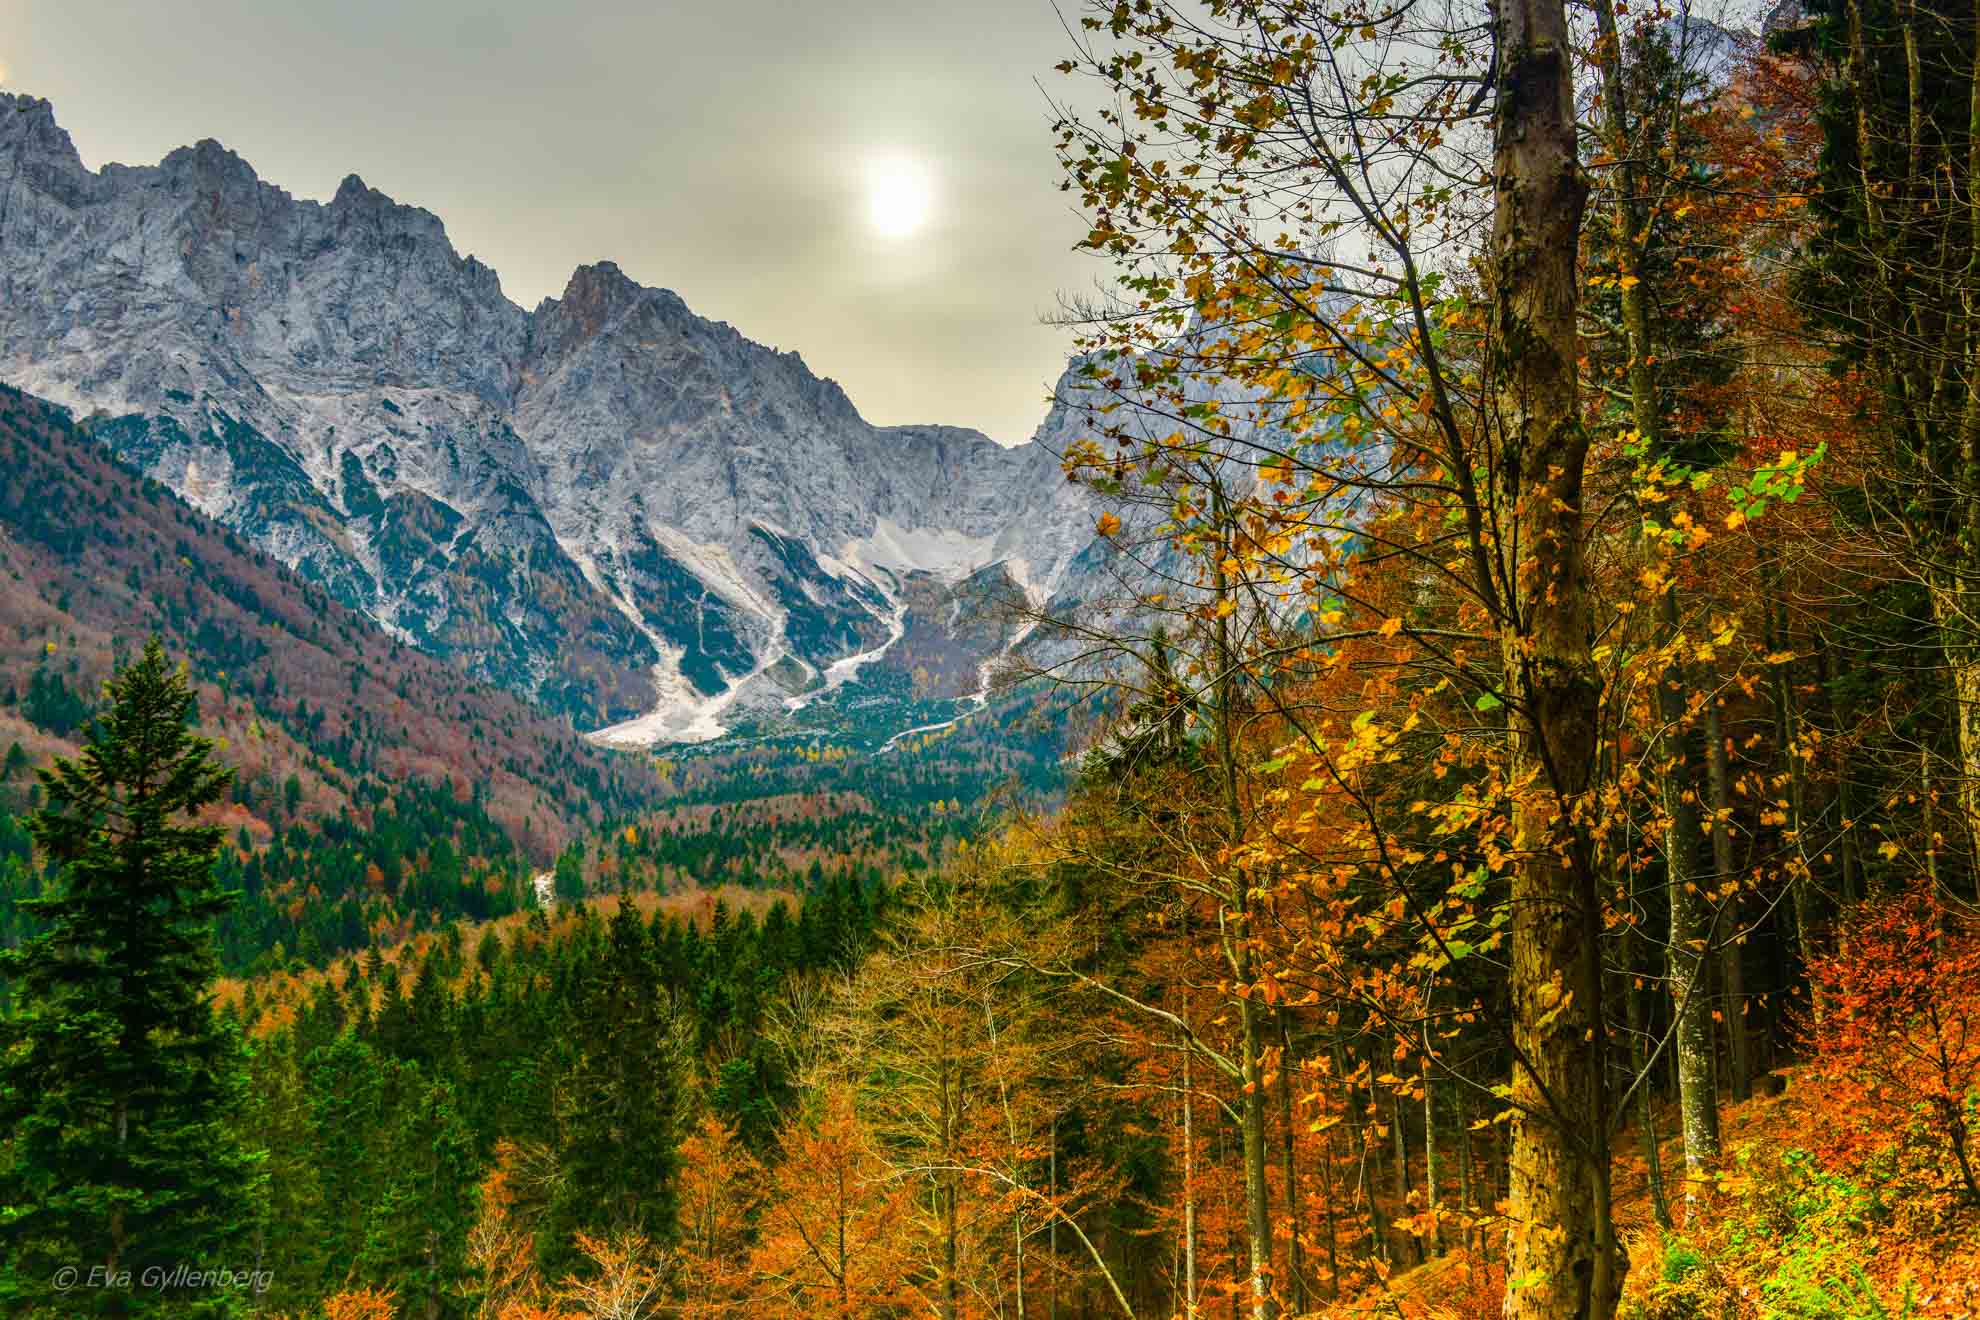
(900, 195)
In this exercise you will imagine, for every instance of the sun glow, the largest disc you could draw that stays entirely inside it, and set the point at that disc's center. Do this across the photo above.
(900, 195)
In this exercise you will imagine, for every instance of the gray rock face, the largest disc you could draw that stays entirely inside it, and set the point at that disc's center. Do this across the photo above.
(637, 516)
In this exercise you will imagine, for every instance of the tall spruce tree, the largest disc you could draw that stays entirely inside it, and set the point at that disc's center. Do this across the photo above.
(289, 1238)
(617, 1107)
(350, 1102)
(416, 1234)
(119, 1086)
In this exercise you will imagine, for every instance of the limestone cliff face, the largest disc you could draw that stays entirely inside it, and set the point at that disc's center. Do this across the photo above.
(636, 516)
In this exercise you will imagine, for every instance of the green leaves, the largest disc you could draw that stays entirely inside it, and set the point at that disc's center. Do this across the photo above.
(1783, 480)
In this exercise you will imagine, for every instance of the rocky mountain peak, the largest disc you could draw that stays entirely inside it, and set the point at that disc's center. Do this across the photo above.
(209, 157)
(354, 191)
(594, 296)
(357, 200)
(223, 183)
(31, 139)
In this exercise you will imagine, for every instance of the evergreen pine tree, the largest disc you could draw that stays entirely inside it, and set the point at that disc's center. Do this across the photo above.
(616, 1109)
(288, 1242)
(416, 1238)
(118, 1085)
(430, 1037)
(348, 1102)
(568, 880)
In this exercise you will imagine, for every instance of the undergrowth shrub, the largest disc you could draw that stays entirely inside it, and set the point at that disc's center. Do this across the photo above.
(1898, 1032)
(1681, 1260)
(1678, 1282)
(1806, 1232)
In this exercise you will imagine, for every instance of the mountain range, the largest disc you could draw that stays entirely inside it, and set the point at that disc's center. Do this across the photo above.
(635, 517)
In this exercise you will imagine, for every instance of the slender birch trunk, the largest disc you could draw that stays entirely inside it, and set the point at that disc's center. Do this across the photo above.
(1189, 1189)
(1431, 1201)
(1412, 1244)
(1237, 940)
(1289, 1169)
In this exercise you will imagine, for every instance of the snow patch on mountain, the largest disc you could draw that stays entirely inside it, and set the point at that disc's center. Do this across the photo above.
(943, 551)
(680, 715)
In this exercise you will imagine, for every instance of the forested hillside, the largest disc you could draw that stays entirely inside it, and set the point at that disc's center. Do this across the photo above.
(376, 790)
(317, 704)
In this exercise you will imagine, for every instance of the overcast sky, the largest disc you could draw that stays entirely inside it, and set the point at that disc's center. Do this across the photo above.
(758, 156)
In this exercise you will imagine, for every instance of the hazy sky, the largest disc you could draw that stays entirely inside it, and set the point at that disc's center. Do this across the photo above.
(760, 157)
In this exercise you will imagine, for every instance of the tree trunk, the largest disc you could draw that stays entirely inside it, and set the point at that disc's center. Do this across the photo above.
(1238, 951)
(1677, 748)
(1732, 969)
(1189, 1190)
(1964, 656)
(1465, 1202)
(1328, 1185)
(1929, 805)
(1563, 1254)
(1289, 1169)
(1052, 1240)
(1430, 1201)
(1357, 1124)
(1375, 1157)
(951, 1232)
(1691, 926)
(1787, 737)
(844, 1260)
(1412, 1244)
(1639, 1033)
(1257, 1194)
(1829, 670)
(1963, 668)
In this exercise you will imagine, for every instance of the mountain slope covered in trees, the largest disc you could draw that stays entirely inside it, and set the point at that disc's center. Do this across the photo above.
(378, 790)
(94, 558)
(375, 786)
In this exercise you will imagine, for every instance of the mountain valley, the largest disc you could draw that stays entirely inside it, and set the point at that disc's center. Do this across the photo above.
(634, 517)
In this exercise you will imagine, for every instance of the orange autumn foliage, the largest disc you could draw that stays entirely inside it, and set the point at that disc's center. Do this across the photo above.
(830, 1241)
(1897, 1023)
(719, 1190)
(625, 1281)
(361, 1304)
